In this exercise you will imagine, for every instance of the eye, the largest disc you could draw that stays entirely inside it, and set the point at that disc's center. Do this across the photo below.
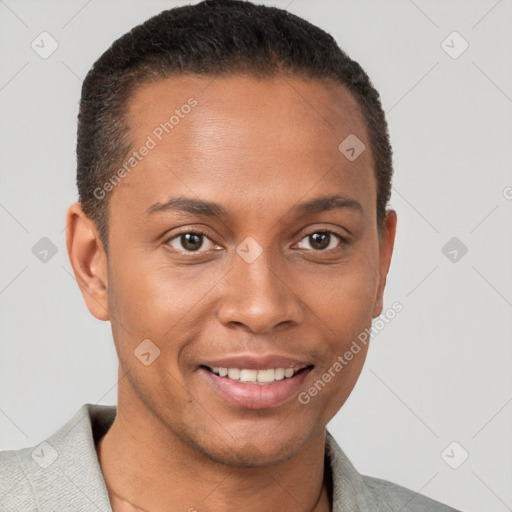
(322, 240)
(190, 241)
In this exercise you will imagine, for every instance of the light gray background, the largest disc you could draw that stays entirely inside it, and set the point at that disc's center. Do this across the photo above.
(439, 372)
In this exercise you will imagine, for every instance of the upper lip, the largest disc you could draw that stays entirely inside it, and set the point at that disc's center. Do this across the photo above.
(257, 362)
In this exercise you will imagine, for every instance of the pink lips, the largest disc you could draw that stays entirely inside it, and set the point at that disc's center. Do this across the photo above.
(252, 395)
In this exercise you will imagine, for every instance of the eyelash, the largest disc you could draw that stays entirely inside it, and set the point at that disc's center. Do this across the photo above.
(199, 231)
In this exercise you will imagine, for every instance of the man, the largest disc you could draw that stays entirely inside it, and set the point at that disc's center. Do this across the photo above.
(234, 171)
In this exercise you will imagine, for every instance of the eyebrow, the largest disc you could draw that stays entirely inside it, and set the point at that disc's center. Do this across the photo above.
(212, 209)
(322, 204)
(190, 205)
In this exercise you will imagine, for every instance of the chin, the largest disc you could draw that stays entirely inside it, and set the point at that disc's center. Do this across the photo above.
(251, 455)
(250, 451)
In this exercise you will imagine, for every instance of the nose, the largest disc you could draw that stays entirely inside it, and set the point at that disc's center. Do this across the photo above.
(258, 296)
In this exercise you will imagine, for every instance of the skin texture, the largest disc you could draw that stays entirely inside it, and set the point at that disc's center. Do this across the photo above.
(258, 147)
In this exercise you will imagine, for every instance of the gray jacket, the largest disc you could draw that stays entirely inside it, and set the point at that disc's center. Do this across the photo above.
(63, 474)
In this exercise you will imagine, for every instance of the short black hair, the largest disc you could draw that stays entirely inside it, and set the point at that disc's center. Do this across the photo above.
(213, 38)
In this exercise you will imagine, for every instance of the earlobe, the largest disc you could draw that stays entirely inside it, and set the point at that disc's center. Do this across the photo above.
(387, 241)
(88, 260)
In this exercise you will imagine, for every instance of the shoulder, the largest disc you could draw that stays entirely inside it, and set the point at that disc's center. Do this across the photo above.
(401, 498)
(61, 473)
(353, 491)
(15, 491)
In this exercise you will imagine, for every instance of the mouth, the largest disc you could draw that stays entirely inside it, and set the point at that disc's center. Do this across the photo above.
(251, 376)
(255, 383)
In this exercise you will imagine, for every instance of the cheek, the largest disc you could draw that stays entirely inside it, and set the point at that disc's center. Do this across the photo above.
(155, 297)
(345, 299)
(344, 305)
(163, 304)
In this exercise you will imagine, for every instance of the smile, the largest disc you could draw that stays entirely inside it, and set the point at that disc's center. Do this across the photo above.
(247, 375)
(249, 383)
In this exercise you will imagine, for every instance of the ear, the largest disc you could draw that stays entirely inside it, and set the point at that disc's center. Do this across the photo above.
(88, 259)
(387, 241)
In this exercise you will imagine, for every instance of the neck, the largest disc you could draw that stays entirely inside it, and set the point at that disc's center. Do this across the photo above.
(148, 468)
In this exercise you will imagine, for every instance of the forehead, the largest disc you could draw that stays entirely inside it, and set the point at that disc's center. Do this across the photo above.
(298, 110)
(257, 137)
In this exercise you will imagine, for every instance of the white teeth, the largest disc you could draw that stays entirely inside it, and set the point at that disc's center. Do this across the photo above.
(279, 373)
(254, 376)
(266, 375)
(248, 375)
(234, 373)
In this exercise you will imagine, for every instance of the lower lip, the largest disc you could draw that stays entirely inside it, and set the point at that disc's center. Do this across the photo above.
(256, 396)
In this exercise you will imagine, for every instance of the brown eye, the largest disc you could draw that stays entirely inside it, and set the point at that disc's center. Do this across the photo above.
(319, 240)
(189, 242)
(322, 240)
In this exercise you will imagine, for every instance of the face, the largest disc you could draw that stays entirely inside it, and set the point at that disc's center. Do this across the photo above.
(243, 239)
